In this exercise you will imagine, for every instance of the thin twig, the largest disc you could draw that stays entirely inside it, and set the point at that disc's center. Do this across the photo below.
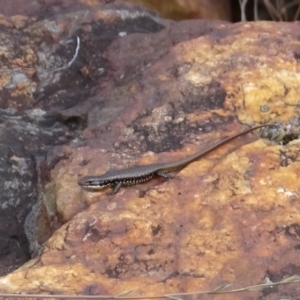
(76, 53)
(272, 10)
(286, 7)
(124, 295)
(255, 8)
(72, 60)
(297, 13)
(243, 4)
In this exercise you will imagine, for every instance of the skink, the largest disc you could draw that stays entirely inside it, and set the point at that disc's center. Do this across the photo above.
(139, 174)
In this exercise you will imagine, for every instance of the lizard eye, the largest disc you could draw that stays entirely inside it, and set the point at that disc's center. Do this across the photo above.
(95, 183)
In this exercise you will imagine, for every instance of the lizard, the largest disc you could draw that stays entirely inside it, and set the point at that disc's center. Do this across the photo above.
(142, 173)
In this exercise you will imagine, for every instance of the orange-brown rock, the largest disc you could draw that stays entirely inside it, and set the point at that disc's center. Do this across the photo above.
(138, 98)
(189, 9)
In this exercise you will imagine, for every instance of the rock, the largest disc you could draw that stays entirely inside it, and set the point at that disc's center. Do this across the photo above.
(140, 90)
(190, 9)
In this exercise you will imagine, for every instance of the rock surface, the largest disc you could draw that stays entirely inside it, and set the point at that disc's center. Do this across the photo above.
(190, 9)
(141, 90)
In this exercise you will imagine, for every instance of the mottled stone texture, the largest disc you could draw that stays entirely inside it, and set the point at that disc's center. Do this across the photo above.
(141, 90)
(189, 9)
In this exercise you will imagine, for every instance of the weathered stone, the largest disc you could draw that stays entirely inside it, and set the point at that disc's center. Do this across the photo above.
(190, 9)
(132, 97)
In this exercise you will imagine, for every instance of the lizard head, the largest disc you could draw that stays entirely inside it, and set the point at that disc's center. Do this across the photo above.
(95, 182)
